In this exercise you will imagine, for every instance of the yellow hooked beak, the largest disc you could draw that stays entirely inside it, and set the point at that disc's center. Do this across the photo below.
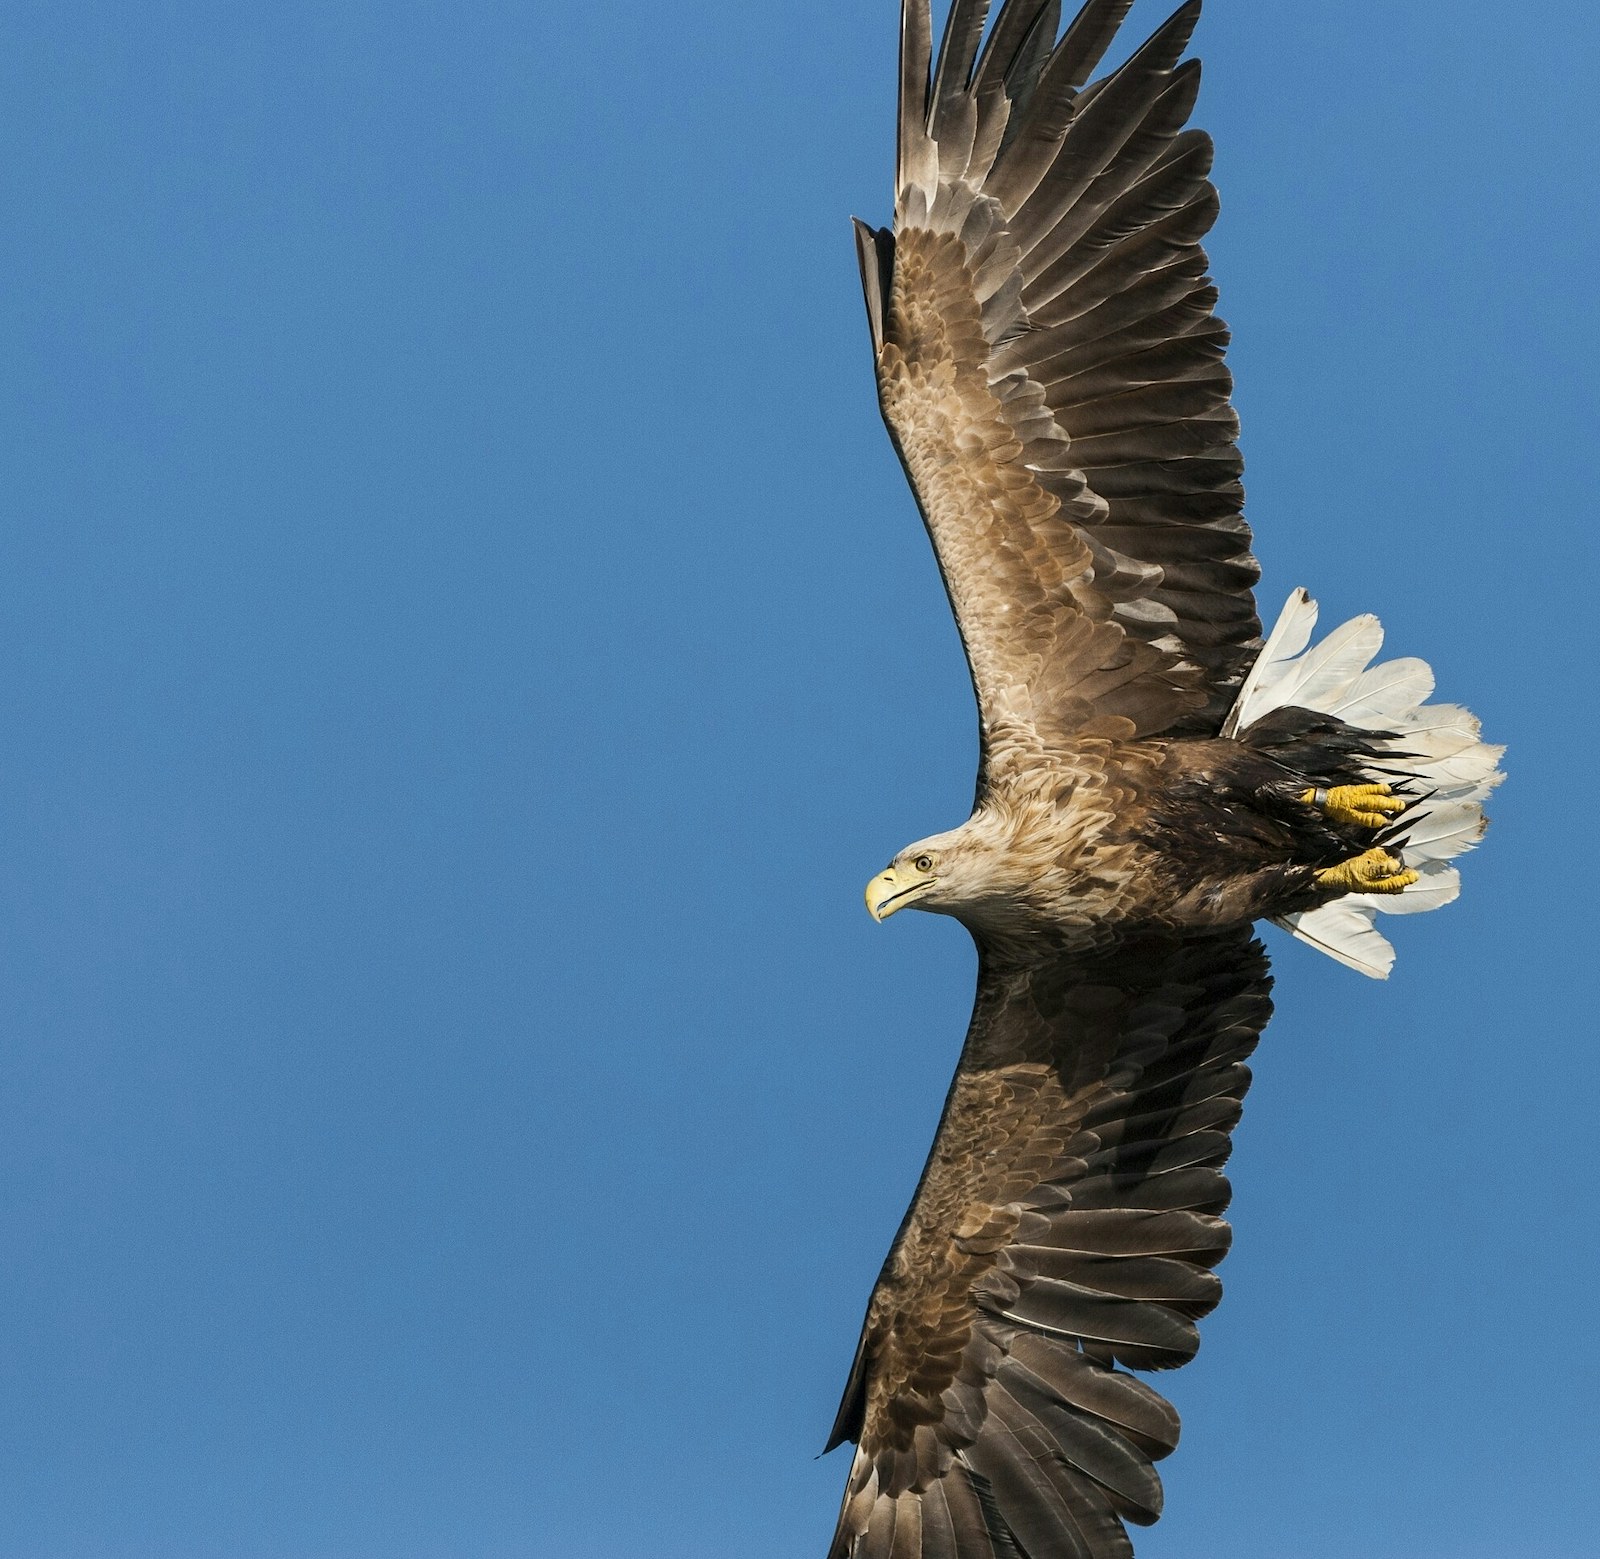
(894, 889)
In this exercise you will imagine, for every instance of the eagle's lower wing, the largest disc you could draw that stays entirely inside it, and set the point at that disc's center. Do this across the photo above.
(1066, 1223)
(1051, 372)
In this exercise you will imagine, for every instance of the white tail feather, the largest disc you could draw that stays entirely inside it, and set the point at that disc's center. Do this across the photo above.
(1385, 694)
(1328, 671)
(1436, 886)
(1290, 634)
(1433, 753)
(1344, 931)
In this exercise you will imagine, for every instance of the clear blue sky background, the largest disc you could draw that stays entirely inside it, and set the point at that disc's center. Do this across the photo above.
(464, 642)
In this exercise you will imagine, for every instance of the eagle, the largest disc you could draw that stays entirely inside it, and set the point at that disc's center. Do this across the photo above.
(1155, 776)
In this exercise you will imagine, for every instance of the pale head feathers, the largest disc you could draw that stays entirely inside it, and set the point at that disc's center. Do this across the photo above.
(998, 871)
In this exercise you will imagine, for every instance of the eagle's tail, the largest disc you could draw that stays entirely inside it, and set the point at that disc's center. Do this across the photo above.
(1430, 752)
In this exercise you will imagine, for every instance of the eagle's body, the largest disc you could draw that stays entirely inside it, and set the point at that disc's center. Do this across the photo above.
(1155, 777)
(1123, 838)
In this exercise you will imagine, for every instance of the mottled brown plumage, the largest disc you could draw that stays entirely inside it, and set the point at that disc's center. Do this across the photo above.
(1066, 1225)
(1050, 369)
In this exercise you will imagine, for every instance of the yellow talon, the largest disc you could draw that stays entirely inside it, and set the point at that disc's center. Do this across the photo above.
(1375, 871)
(1358, 806)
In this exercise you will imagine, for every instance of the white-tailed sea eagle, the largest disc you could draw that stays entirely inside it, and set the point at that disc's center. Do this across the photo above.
(1154, 779)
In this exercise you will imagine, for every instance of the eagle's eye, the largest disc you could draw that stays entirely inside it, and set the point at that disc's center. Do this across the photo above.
(923, 863)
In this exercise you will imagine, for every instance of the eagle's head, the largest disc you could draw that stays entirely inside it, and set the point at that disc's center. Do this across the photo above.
(954, 873)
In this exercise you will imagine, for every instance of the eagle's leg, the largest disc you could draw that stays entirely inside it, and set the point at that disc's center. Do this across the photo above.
(1357, 806)
(1373, 871)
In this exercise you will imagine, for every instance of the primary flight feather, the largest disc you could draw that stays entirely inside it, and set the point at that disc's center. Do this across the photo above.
(1153, 780)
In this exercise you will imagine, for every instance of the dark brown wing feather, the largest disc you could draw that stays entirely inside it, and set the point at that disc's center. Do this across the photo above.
(1066, 1224)
(1050, 368)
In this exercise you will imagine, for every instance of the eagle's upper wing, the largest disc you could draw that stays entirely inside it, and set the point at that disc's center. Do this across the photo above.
(1051, 372)
(1066, 1223)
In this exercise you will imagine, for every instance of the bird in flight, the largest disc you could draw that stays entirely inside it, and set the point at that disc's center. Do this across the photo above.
(1155, 776)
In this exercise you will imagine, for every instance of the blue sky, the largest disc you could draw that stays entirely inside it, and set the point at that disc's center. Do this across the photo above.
(464, 642)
